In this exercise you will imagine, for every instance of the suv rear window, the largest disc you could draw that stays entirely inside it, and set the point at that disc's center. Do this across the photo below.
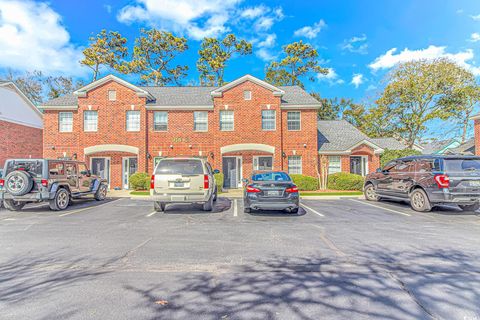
(34, 167)
(460, 165)
(179, 166)
(271, 176)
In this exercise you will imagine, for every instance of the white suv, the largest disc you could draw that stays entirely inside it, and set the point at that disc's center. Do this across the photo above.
(183, 180)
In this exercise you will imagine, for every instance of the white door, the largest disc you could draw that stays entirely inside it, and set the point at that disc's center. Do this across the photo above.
(101, 167)
(129, 167)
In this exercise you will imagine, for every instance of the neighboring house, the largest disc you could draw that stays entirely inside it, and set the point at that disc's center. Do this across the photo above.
(440, 147)
(350, 150)
(466, 148)
(245, 125)
(20, 125)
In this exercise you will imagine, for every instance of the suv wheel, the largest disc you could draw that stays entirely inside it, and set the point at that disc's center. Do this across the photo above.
(470, 207)
(61, 200)
(101, 193)
(208, 206)
(419, 201)
(159, 206)
(370, 193)
(18, 183)
(13, 205)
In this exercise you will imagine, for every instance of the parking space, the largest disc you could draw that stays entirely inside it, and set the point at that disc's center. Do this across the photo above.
(342, 258)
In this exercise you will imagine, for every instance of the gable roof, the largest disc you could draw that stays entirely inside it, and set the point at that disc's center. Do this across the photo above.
(83, 91)
(12, 85)
(466, 148)
(440, 147)
(219, 91)
(340, 136)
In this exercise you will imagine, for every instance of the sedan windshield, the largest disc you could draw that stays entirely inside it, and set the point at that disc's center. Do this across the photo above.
(271, 176)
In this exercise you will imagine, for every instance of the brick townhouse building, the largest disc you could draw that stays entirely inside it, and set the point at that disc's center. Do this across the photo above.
(20, 125)
(248, 124)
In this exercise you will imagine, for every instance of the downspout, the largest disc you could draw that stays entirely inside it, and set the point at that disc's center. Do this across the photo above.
(281, 134)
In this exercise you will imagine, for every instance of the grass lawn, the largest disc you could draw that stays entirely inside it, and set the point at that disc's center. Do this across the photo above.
(140, 193)
(330, 193)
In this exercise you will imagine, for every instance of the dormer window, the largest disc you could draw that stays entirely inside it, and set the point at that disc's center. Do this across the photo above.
(112, 95)
(247, 95)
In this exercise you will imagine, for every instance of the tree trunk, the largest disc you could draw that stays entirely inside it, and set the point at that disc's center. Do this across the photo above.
(464, 132)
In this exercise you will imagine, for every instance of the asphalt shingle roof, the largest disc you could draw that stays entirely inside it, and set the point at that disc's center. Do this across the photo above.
(435, 146)
(340, 135)
(466, 148)
(194, 96)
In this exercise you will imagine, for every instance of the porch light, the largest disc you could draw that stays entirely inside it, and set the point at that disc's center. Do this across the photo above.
(284, 155)
(149, 156)
(304, 145)
(190, 146)
(171, 146)
(212, 155)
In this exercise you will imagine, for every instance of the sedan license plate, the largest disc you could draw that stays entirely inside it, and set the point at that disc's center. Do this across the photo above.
(272, 193)
(178, 184)
(475, 183)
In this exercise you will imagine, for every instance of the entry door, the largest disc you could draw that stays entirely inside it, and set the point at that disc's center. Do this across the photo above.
(101, 167)
(356, 165)
(130, 166)
(232, 167)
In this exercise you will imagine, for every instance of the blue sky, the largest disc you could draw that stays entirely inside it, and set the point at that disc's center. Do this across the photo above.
(359, 41)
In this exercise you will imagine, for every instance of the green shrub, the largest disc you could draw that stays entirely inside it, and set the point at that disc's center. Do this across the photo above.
(345, 181)
(219, 181)
(305, 183)
(139, 181)
(389, 155)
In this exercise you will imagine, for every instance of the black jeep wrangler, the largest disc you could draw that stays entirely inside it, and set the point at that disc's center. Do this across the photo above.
(56, 181)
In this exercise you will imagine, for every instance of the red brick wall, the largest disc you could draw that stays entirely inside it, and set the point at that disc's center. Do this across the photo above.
(477, 136)
(18, 141)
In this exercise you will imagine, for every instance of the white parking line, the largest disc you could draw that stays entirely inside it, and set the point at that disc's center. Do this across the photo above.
(313, 210)
(84, 209)
(152, 213)
(235, 208)
(387, 209)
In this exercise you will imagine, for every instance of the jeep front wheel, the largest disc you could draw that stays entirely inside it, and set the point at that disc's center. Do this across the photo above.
(61, 200)
(13, 205)
(101, 193)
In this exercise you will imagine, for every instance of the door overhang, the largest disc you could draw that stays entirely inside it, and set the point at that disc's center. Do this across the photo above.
(247, 147)
(110, 148)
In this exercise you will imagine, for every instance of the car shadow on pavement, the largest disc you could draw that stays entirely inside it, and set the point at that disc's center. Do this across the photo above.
(376, 284)
(221, 205)
(77, 204)
(442, 209)
(278, 213)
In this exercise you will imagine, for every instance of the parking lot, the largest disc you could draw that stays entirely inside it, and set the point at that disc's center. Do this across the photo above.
(336, 259)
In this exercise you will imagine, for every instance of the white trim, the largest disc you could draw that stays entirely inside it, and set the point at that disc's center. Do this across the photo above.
(363, 161)
(475, 117)
(2, 118)
(376, 148)
(299, 120)
(174, 108)
(239, 182)
(274, 120)
(247, 147)
(219, 91)
(256, 158)
(24, 97)
(123, 171)
(199, 122)
(82, 92)
(69, 108)
(334, 153)
(109, 168)
(110, 147)
(300, 107)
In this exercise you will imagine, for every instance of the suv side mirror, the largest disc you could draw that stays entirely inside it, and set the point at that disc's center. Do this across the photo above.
(216, 171)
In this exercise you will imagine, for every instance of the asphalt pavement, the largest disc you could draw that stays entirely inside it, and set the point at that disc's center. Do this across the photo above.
(335, 259)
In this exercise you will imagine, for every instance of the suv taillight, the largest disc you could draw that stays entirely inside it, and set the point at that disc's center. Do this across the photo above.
(2, 183)
(293, 189)
(45, 183)
(251, 189)
(206, 182)
(442, 180)
(152, 182)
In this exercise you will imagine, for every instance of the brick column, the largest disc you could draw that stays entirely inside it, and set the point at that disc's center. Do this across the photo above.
(477, 135)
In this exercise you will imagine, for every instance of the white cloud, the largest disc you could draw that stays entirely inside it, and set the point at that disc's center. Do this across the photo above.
(254, 12)
(197, 18)
(269, 17)
(357, 80)
(474, 37)
(33, 38)
(371, 87)
(331, 77)
(108, 8)
(265, 45)
(390, 59)
(310, 32)
(476, 18)
(356, 44)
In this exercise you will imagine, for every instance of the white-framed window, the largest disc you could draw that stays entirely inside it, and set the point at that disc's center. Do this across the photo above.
(247, 95)
(268, 119)
(295, 164)
(90, 121)
(262, 163)
(133, 120)
(226, 120)
(160, 121)
(112, 95)
(65, 121)
(200, 121)
(334, 164)
(293, 120)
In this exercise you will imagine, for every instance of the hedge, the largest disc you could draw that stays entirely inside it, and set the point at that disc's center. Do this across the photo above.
(219, 181)
(139, 181)
(305, 183)
(345, 181)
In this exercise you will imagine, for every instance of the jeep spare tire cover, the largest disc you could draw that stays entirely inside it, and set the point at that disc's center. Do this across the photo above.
(18, 183)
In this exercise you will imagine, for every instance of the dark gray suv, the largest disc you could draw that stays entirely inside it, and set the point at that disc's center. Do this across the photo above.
(428, 180)
(54, 181)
